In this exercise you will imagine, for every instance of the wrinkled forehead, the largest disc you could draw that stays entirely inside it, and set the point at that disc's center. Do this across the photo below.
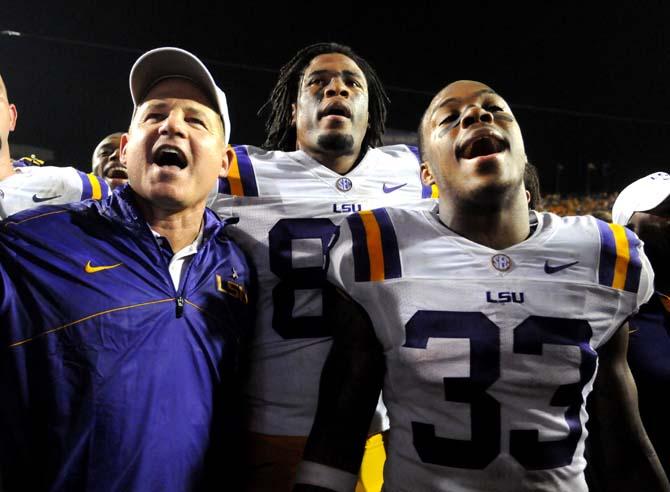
(335, 63)
(181, 92)
(456, 94)
(462, 90)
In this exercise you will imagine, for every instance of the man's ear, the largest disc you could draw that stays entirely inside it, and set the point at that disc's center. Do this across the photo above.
(427, 177)
(294, 109)
(13, 116)
(123, 145)
(227, 160)
(527, 196)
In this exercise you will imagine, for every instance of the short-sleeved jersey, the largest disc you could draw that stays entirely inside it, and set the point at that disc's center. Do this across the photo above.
(490, 355)
(32, 186)
(289, 207)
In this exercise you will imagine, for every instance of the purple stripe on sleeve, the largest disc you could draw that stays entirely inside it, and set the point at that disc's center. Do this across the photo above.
(86, 188)
(360, 248)
(224, 186)
(634, 264)
(607, 254)
(247, 175)
(392, 267)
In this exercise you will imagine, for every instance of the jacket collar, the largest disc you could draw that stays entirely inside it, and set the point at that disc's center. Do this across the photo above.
(121, 207)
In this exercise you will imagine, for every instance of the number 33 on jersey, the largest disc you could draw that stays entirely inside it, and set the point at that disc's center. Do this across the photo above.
(489, 355)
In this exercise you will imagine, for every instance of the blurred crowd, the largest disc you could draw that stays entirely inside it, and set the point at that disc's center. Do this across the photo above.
(597, 204)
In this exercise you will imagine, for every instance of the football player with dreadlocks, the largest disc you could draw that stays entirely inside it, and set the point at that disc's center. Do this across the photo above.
(321, 160)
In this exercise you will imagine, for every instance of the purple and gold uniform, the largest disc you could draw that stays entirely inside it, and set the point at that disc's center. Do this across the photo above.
(110, 377)
(289, 206)
(33, 186)
(489, 354)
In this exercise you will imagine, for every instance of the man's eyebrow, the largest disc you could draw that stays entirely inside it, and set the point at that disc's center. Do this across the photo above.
(353, 74)
(209, 117)
(195, 109)
(348, 73)
(450, 100)
(154, 105)
(160, 106)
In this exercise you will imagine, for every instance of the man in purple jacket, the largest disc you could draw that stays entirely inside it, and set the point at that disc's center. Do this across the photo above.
(122, 320)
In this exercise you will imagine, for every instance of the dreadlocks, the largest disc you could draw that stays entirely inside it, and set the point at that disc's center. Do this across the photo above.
(281, 133)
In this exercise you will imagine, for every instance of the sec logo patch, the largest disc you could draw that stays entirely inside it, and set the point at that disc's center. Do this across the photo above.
(343, 184)
(501, 262)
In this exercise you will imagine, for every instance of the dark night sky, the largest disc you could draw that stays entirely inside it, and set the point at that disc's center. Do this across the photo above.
(587, 85)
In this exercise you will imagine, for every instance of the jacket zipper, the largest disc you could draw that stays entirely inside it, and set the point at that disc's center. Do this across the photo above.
(180, 306)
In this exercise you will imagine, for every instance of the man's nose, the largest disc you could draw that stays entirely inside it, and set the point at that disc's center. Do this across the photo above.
(173, 124)
(475, 114)
(337, 87)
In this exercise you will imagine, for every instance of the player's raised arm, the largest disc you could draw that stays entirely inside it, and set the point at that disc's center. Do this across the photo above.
(622, 455)
(350, 383)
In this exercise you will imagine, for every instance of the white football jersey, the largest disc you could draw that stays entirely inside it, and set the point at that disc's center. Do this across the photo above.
(490, 355)
(289, 207)
(32, 186)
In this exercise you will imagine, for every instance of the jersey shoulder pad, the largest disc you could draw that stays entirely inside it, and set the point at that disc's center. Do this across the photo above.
(92, 186)
(374, 246)
(241, 179)
(408, 156)
(70, 183)
(620, 263)
(401, 150)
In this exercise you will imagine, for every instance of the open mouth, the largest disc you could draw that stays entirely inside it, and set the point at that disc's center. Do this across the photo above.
(481, 145)
(170, 156)
(335, 109)
(116, 172)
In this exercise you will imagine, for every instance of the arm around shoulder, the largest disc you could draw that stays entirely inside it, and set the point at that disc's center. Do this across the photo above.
(622, 455)
(349, 390)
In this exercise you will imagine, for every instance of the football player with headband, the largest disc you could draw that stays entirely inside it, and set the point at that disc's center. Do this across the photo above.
(23, 185)
(322, 160)
(486, 329)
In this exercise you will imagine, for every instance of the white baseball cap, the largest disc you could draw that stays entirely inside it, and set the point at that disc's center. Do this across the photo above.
(641, 195)
(168, 62)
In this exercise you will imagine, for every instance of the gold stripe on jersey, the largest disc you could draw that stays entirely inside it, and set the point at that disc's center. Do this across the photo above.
(96, 190)
(622, 256)
(234, 179)
(373, 238)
